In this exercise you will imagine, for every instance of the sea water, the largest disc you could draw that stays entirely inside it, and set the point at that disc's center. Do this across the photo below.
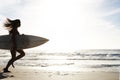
(82, 60)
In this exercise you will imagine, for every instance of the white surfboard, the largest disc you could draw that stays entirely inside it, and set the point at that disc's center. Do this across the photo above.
(23, 41)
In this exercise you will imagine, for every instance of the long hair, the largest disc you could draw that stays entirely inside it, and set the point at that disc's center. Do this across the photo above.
(10, 24)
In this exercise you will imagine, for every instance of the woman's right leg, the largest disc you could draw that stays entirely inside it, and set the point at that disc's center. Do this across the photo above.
(10, 62)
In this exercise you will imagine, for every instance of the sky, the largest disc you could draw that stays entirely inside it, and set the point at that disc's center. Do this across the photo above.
(69, 25)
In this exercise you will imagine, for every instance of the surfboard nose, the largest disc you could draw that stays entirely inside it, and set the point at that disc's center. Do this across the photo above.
(46, 40)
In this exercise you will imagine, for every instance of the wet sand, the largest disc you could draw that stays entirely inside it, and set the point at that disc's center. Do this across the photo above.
(34, 73)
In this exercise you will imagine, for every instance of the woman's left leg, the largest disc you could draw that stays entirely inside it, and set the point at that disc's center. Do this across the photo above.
(22, 54)
(14, 58)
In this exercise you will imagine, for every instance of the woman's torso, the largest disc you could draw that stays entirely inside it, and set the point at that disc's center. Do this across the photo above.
(14, 32)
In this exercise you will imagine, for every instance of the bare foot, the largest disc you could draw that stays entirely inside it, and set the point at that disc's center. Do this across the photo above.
(6, 70)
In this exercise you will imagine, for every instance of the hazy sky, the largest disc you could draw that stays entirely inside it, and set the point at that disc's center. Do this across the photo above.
(69, 24)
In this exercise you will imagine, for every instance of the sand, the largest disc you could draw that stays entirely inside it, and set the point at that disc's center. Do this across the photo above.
(35, 73)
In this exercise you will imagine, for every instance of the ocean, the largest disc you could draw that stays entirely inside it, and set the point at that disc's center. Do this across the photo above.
(82, 60)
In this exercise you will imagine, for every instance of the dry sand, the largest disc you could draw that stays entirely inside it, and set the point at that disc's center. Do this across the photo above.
(32, 73)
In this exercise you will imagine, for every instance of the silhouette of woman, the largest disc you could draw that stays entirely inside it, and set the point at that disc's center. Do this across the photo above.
(12, 26)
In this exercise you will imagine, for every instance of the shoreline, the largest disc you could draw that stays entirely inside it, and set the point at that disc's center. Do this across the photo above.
(35, 73)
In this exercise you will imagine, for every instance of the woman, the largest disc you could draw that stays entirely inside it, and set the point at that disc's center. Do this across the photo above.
(12, 26)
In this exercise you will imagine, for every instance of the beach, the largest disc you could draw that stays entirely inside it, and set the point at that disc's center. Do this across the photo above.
(35, 73)
(83, 65)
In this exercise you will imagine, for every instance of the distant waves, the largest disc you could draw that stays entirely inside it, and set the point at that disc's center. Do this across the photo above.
(93, 59)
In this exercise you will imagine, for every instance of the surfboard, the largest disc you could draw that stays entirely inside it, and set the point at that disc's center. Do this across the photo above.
(22, 41)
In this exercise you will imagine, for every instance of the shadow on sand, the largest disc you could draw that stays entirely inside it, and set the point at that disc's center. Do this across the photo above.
(5, 75)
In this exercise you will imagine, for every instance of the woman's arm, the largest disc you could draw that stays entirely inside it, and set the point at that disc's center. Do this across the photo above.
(14, 46)
(13, 36)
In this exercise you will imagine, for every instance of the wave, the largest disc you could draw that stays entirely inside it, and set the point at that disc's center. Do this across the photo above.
(99, 54)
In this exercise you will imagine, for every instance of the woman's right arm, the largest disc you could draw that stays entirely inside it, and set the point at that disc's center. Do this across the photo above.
(13, 36)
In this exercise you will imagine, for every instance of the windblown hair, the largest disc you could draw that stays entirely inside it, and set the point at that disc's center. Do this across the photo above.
(10, 24)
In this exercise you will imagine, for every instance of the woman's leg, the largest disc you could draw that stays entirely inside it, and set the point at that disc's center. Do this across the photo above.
(10, 62)
(14, 58)
(22, 54)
